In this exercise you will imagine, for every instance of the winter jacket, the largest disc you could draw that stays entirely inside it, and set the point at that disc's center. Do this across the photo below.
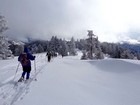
(29, 57)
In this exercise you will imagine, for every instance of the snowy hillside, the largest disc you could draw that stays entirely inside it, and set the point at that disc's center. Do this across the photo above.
(70, 81)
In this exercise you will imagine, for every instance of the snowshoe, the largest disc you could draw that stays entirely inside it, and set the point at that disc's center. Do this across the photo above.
(21, 79)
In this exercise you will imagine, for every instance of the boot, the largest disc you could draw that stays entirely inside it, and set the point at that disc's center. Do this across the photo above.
(21, 79)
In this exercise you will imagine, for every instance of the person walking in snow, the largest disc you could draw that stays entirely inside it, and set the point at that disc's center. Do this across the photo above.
(24, 58)
(49, 56)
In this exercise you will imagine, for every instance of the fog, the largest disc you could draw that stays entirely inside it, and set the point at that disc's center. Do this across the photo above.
(110, 20)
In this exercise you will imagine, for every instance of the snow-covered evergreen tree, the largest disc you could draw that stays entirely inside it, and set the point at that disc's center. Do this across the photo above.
(54, 44)
(4, 45)
(81, 44)
(40, 48)
(126, 54)
(16, 47)
(34, 49)
(98, 51)
(72, 48)
(63, 48)
(93, 47)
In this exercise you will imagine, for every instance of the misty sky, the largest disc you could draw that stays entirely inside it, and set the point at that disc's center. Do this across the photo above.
(110, 20)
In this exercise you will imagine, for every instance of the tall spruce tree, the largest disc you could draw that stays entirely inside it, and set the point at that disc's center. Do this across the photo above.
(4, 45)
(72, 47)
(93, 47)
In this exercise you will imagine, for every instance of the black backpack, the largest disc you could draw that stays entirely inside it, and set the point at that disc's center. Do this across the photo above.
(24, 59)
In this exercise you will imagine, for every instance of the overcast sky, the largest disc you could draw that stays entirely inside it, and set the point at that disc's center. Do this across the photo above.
(110, 20)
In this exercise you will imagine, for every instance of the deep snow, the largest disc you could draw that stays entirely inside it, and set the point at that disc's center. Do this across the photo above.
(70, 81)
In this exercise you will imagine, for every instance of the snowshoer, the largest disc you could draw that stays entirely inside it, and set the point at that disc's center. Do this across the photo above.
(49, 56)
(24, 58)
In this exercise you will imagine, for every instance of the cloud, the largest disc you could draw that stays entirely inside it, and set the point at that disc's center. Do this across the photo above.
(41, 19)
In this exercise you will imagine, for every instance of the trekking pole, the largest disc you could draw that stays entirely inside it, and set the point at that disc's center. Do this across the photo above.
(35, 69)
(16, 71)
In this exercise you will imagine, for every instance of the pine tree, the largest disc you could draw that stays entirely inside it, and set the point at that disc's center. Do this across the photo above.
(54, 44)
(126, 54)
(63, 48)
(72, 48)
(4, 45)
(40, 48)
(93, 47)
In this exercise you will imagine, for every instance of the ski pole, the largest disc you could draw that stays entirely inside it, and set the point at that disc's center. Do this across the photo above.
(16, 71)
(35, 69)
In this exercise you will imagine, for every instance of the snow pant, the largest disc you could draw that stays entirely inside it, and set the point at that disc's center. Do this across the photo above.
(26, 70)
(49, 58)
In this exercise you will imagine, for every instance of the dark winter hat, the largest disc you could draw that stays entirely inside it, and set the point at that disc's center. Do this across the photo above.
(26, 49)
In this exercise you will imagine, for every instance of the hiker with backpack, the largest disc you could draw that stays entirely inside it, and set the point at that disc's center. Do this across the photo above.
(24, 58)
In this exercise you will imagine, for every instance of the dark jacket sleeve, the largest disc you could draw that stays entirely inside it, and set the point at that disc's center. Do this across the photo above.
(30, 56)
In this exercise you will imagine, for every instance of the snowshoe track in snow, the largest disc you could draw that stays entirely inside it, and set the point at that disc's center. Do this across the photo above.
(12, 91)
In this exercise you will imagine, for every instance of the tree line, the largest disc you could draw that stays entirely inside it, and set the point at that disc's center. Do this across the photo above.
(91, 47)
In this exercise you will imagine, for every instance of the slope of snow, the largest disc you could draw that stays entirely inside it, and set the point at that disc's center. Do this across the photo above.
(70, 81)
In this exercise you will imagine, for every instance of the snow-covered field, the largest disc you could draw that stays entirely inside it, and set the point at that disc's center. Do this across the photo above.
(70, 81)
